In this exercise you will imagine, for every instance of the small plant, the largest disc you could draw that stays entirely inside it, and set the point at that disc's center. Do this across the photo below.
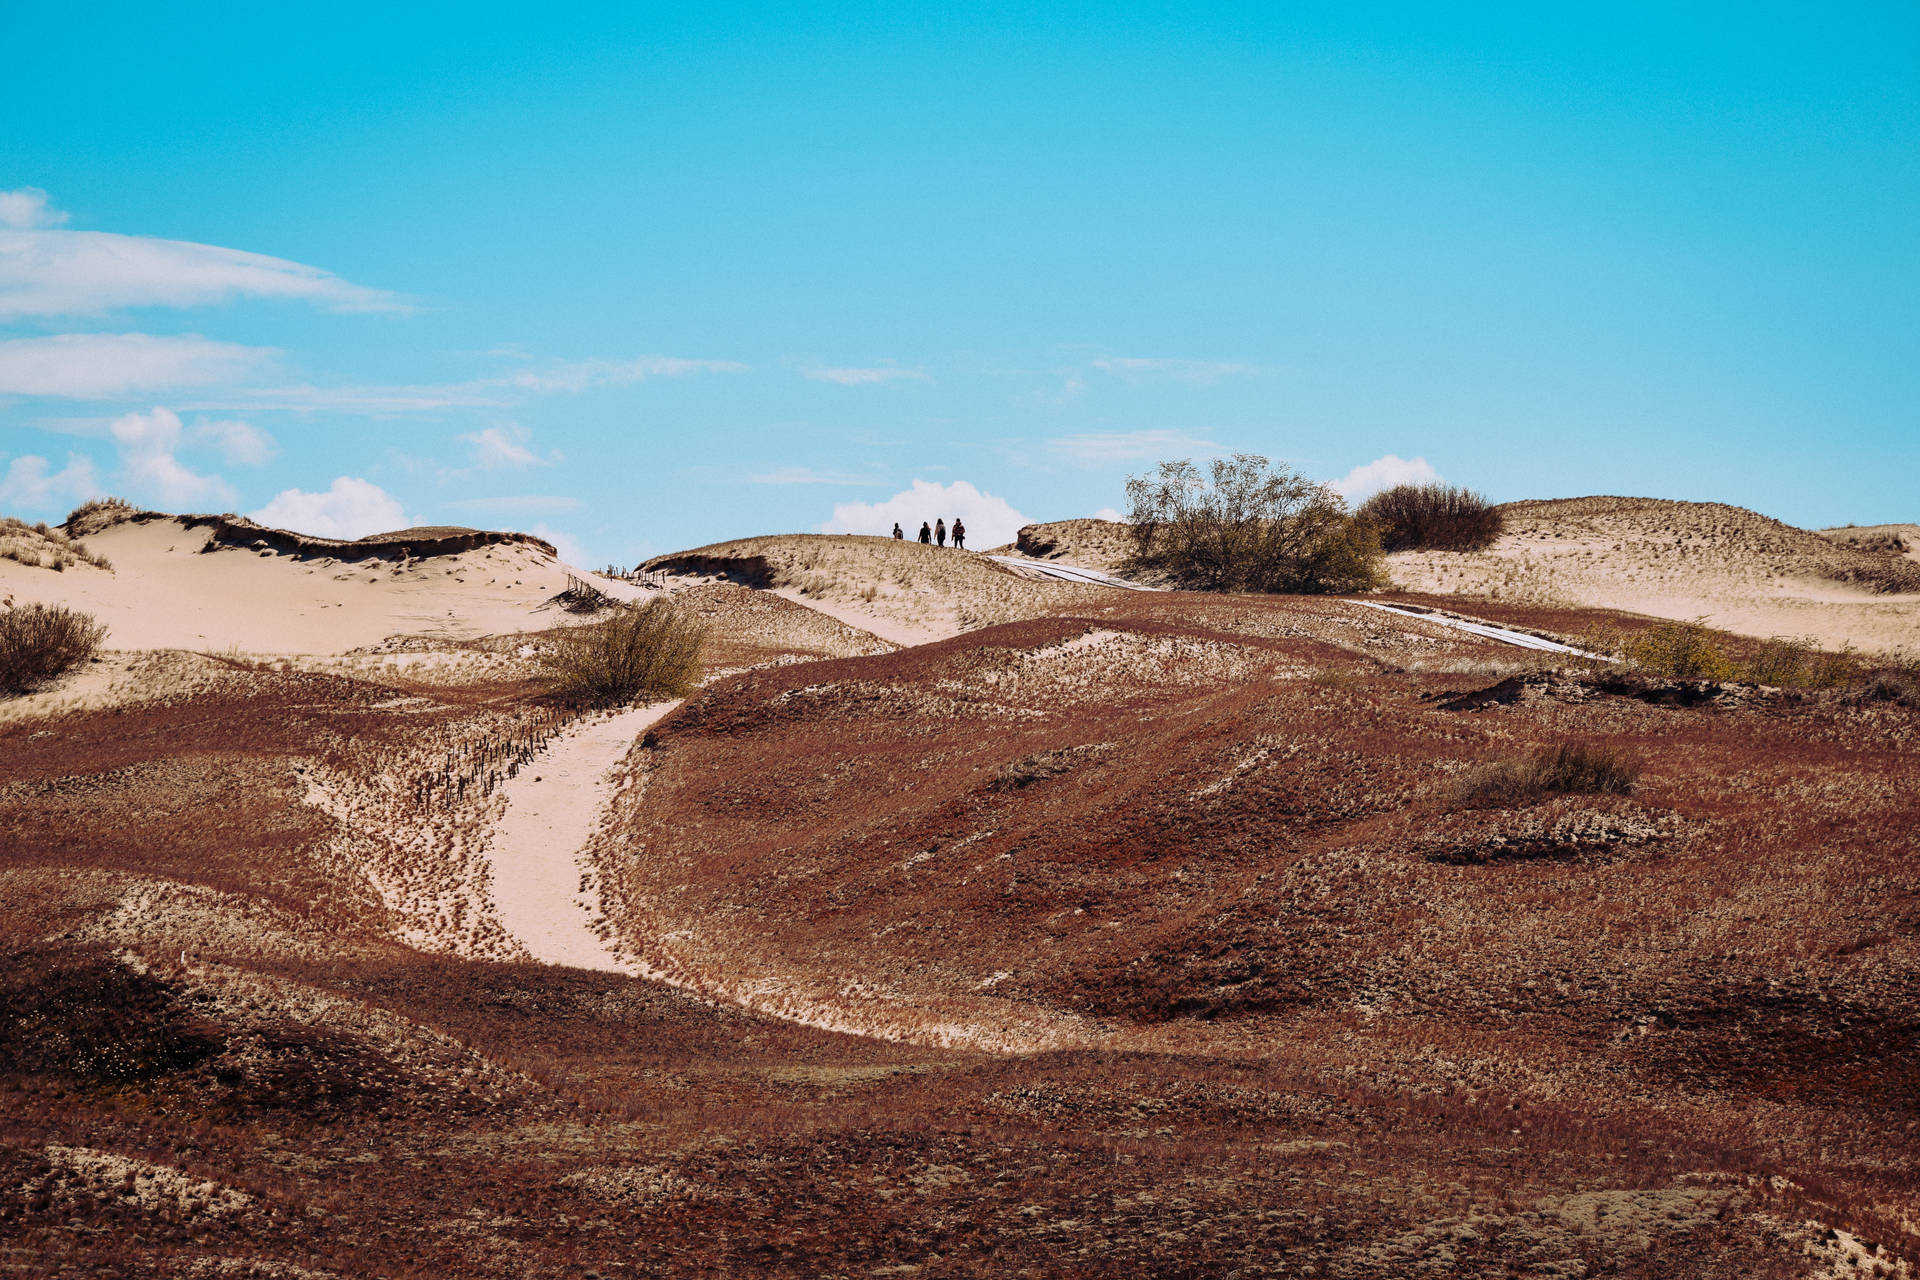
(1570, 768)
(96, 514)
(649, 652)
(39, 642)
(1433, 517)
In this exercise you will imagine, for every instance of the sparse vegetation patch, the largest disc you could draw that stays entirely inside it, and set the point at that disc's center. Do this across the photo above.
(649, 652)
(1570, 768)
(1433, 517)
(1250, 526)
(39, 642)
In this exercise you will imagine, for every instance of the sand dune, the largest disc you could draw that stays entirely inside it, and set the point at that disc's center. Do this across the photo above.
(900, 591)
(194, 583)
(1735, 568)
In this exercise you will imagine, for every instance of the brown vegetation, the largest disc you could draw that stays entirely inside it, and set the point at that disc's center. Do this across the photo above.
(648, 653)
(1280, 1010)
(1433, 517)
(1249, 526)
(41, 642)
(1569, 768)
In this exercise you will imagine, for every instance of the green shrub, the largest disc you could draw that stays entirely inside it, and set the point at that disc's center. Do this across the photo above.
(1567, 769)
(651, 652)
(1433, 517)
(1251, 526)
(39, 642)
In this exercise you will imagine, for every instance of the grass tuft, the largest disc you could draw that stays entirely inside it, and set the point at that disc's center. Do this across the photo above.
(651, 652)
(39, 642)
(1570, 768)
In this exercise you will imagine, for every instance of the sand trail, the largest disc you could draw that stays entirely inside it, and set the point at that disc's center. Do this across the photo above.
(554, 805)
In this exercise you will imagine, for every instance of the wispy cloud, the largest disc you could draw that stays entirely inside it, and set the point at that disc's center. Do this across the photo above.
(518, 504)
(1094, 448)
(1199, 372)
(373, 400)
(860, 377)
(504, 447)
(579, 375)
(239, 443)
(45, 271)
(808, 475)
(107, 366)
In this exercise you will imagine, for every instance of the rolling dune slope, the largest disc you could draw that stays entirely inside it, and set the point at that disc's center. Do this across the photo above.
(212, 583)
(1737, 569)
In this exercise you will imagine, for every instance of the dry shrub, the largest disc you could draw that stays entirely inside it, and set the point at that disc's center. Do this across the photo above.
(1433, 517)
(96, 514)
(1690, 651)
(39, 642)
(1250, 526)
(1570, 768)
(649, 652)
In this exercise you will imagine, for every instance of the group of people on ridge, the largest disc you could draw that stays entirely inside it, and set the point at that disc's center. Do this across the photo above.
(937, 534)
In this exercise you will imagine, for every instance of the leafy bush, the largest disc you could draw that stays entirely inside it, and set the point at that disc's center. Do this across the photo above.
(649, 652)
(1251, 527)
(1433, 517)
(1567, 769)
(39, 642)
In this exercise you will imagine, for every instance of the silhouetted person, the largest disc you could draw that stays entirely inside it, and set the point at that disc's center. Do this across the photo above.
(959, 535)
(940, 532)
(926, 533)
(897, 535)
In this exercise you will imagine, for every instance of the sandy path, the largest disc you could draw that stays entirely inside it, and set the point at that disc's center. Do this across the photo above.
(554, 805)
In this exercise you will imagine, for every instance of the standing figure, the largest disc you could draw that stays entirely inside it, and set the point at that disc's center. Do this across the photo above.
(940, 532)
(959, 535)
(897, 535)
(926, 533)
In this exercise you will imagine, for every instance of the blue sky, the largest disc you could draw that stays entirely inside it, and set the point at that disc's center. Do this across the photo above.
(653, 276)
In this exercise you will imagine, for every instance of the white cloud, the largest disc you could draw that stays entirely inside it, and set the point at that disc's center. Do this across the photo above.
(351, 508)
(105, 366)
(502, 447)
(29, 484)
(861, 377)
(807, 475)
(26, 209)
(60, 273)
(990, 521)
(1201, 372)
(1111, 513)
(579, 375)
(240, 443)
(1095, 447)
(148, 443)
(1370, 478)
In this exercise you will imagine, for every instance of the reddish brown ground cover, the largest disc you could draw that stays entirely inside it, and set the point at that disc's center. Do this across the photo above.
(1182, 955)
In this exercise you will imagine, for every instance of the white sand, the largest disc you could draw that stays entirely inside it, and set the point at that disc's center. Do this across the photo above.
(167, 592)
(554, 805)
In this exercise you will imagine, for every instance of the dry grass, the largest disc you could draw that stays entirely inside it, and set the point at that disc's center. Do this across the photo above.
(1691, 651)
(39, 643)
(1569, 768)
(651, 653)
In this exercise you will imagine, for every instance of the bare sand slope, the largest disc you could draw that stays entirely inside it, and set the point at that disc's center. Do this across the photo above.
(174, 585)
(554, 805)
(900, 591)
(1737, 569)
